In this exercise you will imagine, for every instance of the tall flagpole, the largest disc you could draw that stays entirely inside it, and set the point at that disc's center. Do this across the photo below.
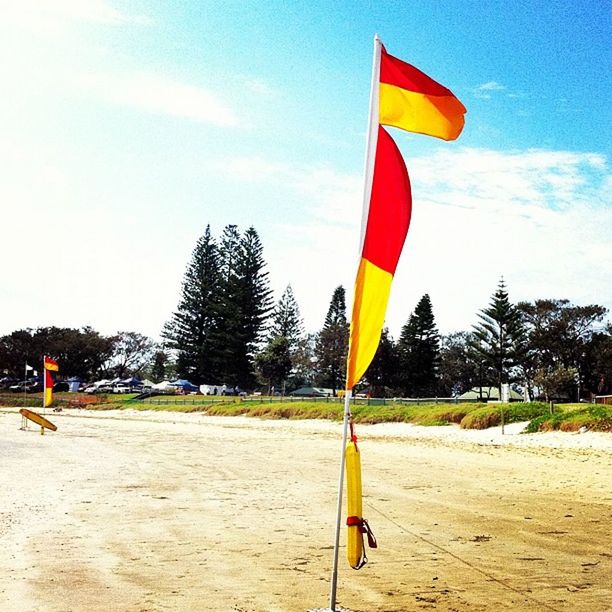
(370, 156)
(25, 378)
(44, 371)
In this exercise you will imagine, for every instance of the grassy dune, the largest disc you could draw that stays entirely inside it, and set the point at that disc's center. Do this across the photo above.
(574, 416)
(565, 417)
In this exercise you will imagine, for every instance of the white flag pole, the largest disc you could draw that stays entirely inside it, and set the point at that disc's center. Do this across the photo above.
(44, 384)
(370, 156)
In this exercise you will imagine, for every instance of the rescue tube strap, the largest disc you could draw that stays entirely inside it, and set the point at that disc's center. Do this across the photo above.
(353, 434)
(365, 528)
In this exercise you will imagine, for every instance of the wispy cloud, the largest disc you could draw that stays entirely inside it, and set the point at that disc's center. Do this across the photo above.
(331, 194)
(158, 94)
(484, 90)
(491, 86)
(539, 217)
(490, 89)
(50, 15)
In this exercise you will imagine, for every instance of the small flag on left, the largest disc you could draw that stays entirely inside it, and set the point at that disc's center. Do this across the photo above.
(50, 365)
(28, 367)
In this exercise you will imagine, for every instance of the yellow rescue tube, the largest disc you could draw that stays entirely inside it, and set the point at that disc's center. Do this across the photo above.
(354, 538)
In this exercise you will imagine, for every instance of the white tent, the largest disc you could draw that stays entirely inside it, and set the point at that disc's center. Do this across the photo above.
(162, 386)
(212, 389)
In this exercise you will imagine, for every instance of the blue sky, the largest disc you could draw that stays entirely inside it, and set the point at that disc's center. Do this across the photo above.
(126, 127)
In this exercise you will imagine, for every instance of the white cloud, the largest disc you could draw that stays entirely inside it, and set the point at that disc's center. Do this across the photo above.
(484, 90)
(491, 86)
(54, 15)
(159, 94)
(540, 218)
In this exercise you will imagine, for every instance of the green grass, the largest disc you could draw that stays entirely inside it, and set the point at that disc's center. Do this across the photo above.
(573, 417)
(490, 415)
(566, 417)
(424, 414)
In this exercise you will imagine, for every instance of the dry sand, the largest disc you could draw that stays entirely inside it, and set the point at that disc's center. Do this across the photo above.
(160, 511)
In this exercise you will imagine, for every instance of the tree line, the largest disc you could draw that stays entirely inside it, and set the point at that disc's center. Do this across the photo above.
(83, 353)
(227, 329)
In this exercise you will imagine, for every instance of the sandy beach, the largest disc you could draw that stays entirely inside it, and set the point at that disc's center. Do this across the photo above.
(163, 511)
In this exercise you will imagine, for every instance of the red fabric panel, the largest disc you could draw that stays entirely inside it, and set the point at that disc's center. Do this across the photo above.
(401, 74)
(390, 206)
(50, 364)
(48, 380)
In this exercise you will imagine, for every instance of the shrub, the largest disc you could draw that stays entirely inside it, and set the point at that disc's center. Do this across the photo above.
(594, 417)
(490, 414)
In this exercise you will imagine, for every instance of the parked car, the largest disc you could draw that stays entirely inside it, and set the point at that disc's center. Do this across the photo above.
(121, 388)
(27, 386)
(234, 391)
(7, 382)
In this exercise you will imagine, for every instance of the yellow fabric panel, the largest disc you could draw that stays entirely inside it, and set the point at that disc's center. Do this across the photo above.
(48, 397)
(440, 116)
(372, 289)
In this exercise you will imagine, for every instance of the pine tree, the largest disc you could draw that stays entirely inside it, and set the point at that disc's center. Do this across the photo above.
(255, 295)
(227, 337)
(192, 328)
(419, 352)
(285, 331)
(159, 366)
(332, 343)
(286, 321)
(499, 339)
(245, 303)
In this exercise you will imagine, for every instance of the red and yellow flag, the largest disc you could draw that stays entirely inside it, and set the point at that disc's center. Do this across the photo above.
(50, 365)
(386, 228)
(410, 100)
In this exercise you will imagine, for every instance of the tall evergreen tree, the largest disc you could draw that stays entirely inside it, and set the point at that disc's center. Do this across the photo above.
(286, 329)
(332, 343)
(499, 339)
(286, 320)
(227, 337)
(192, 329)
(255, 295)
(419, 352)
(159, 365)
(245, 304)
